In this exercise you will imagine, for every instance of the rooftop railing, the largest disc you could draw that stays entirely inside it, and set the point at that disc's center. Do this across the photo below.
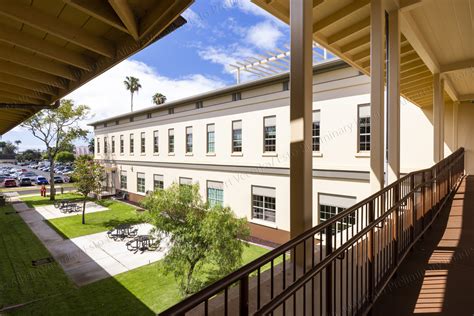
(342, 265)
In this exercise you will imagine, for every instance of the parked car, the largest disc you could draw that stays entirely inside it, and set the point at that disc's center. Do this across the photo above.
(25, 181)
(41, 180)
(10, 183)
(58, 179)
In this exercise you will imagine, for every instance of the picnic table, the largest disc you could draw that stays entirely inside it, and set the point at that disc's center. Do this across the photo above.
(140, 242)
(122, 231)
(66, 206)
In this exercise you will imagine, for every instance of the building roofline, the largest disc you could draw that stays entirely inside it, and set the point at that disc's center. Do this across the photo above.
(322, 67)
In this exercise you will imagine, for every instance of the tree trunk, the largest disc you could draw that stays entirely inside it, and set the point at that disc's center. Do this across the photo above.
(84, 211)
(131, 102)
(52, 193)
(189, 277)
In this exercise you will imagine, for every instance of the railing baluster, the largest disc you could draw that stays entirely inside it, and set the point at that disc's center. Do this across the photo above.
(244, 296)
(329, 310)
(371, 256)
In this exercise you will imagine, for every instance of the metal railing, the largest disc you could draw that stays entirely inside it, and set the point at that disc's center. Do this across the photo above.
(342, 265)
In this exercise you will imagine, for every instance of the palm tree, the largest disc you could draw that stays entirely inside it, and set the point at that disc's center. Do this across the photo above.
(133, 85)
(17, 143)
(159, 98)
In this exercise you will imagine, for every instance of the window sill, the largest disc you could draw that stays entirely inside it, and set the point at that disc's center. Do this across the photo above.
(237, 154)
(156, 154)
(189, 154)
(317, 154)
(270, 154)
(362, 154)
(170, 154)
(263, 223)
(132, 154)
(142, 154)
(211, 154)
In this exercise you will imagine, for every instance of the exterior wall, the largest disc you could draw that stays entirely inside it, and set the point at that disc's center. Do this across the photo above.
(339, 169)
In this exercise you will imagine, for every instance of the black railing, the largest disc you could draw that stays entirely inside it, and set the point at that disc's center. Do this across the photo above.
(342, 265)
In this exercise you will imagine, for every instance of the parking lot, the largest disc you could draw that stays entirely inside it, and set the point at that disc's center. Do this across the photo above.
(27, 169)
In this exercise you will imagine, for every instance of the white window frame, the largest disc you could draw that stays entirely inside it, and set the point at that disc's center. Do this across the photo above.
(266, 140)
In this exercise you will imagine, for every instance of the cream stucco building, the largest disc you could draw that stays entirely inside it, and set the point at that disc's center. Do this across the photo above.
(235, 141)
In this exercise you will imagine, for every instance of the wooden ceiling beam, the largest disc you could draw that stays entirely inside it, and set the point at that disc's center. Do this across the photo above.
(340, 15)
(15, 55)
(160, 15)
(361, 41)
(100, 11)
(412, 65)
(349, 31)
(457, 66)
(56, 52)
(466, 97)
(52, 25)
(20, 98)
(317, 2)
(23, 91)
(30, 74)
(28, 84)
(23, 106)
(125, 13)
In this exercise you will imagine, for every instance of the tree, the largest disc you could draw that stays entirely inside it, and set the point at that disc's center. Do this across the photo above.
(29, 155)
(89, 176)
(205, 243)
(132, 84)
(8, 148)
(65, 156)
(17, 144)
(159, 98)
(56, 128)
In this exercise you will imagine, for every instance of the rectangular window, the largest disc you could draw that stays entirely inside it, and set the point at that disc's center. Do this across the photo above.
(286, 85)
(148, 115)
(140, 182)
(236, 136)
(269, 134)
(189, 139)
(199, 105)
(171, 111)
(364, 127)
(105, 145)
(123, 180)
(122, 145)
(316, 130)
(98, 145)
(215, 193)
(236, 96)
(331, 205)
(113, 144)
(156, 146)
(142, 143)
(211, 141)
(117, 122)
(264, 203)
(131, 118)
(132, 144)
(185, 181)
(158, 181)
(171, 141)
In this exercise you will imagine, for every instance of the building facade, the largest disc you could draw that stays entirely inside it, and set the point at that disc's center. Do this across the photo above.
(235, 142)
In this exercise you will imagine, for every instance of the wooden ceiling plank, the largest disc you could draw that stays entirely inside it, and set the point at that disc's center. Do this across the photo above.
(349, 31)
(39, 46)
(155, 16)
(412, 65)
(30, 74)
(64, 30)
(28, 84)
(364, 40)
(36, 62)
(20, 98)
(340, 14)
(98, 10)
(125, 13)
(317, 2)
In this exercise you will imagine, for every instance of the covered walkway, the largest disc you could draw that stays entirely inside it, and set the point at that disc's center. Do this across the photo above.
(437, 278)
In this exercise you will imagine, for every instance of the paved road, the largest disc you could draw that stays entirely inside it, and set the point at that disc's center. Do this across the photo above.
(34, 188)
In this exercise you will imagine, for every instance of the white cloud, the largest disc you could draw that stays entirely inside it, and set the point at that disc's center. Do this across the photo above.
(264, 35)
(193, 18)
(248, 7)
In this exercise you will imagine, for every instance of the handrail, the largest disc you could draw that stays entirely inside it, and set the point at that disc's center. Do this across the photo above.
(361, 222)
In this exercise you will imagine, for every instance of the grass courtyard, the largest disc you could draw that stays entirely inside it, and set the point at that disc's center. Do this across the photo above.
(144, 291)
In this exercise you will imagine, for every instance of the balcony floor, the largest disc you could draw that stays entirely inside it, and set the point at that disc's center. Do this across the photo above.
(437, 278)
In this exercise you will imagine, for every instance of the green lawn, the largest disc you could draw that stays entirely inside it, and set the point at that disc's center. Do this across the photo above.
(71, 227)
(48, 291)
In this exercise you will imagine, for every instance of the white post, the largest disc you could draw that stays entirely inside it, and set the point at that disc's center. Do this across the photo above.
(455, 125)
(377, 31)
(438, 118)
(393, 96)
(301, 105)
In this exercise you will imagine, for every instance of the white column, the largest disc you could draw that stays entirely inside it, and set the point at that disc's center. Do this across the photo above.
(377, 116)
(455, 125)
(438, 118)
(301, 105)
(393, 128)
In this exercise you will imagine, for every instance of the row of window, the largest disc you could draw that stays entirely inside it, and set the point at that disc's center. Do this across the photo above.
(269, 136)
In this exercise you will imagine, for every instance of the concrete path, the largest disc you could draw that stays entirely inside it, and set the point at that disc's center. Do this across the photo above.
(50, 212)
(90, 258)
(437, 278)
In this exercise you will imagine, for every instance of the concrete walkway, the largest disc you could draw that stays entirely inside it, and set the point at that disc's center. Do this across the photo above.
(438, 277)
(90, 258)
(50, 212)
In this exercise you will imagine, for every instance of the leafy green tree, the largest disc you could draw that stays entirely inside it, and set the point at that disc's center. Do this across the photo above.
(29, 155)
(205, 243)
(91, 146)
(89, 176)
(56, 128)
(65, 156)
(132, 84)
(159, 98)
(8, 148)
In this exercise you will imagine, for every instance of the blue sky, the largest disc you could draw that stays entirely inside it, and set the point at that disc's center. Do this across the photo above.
(192, 60)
